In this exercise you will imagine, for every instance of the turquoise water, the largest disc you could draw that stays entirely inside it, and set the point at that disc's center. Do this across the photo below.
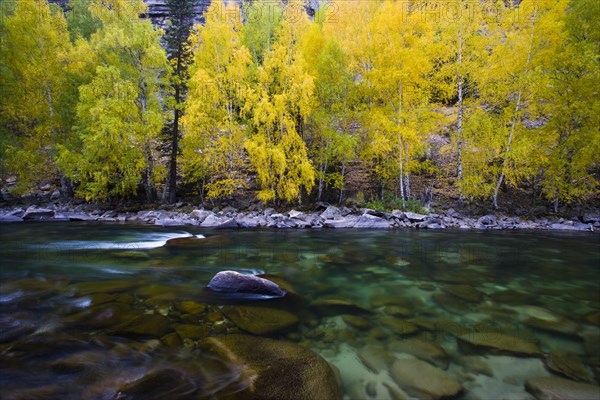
(540, 287)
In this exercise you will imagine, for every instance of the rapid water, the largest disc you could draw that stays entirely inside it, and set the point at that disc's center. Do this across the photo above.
(357, 289)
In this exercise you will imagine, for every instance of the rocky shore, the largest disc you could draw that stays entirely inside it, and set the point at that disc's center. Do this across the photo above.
(326, 216)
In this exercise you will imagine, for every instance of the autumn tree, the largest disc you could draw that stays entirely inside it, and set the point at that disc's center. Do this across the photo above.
(573, 109)
(119, 113)
(81, 22)
(460, 51)
(277, 106)
(511, 86)
(262, 20)
(35, 105)
(214, 138)
(332, 147)
(399, 115)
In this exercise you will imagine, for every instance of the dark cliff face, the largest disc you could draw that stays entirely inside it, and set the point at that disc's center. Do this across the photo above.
(158, 10)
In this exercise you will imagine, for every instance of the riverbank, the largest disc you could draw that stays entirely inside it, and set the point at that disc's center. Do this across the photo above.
(328, 216)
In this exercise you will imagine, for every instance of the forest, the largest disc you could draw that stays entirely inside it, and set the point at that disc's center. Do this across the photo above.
(263, 97)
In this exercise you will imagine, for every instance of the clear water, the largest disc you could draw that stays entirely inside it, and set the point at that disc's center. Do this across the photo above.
(52, 274)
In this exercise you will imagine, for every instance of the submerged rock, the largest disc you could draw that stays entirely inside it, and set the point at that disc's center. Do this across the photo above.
(146, 325)
(592, 318)
(498, 343)
(375, 357)
(398, 326)
(260, 320)
(234, 282)
(275, 370)
(464, 292)
(563, 326)
(423, 380)
(553, 388)
(357, 322)
(332, 306)
(569, 365)
(166, 383)
(425, 350)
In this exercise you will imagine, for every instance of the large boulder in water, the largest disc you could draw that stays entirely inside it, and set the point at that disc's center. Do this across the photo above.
(275, 370)
(234, 282)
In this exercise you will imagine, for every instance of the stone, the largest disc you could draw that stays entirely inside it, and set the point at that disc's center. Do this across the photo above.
(341, 223)
(424, 381)
(275, 370)
(569, 365)
(592, 318)
(248, 222)
(33, 213)
(497, 343)
(487, 220)
(333, 306)
(357, 322)
(190, 331)
(146, 325)
(190, 307)
(398, 311)
(10, 218)
(414, 217)
(563, 325)
(512, 297)
(172, 340)
(451, 303)
(234, 282)
(475, 365)
(104, 316)
(395, 393)
(331, 212)
(200, 215)
(464, 292)
(260, 320)
(425, 350)
(367, 221)
(398, 326)
(165, 383)
(375, 357)
(554, 388)
(214, 221)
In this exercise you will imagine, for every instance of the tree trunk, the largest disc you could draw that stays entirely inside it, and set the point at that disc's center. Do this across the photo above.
(459, 122)
(342, 188)
(171, 187)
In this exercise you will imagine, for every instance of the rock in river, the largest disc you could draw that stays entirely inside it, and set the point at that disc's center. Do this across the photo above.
(464, 292)
(553, 388)
(275, 370)
(425, 350)
(260, 320)
(496, 342)
(234, 282)
(423, 380)
(568, 364)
